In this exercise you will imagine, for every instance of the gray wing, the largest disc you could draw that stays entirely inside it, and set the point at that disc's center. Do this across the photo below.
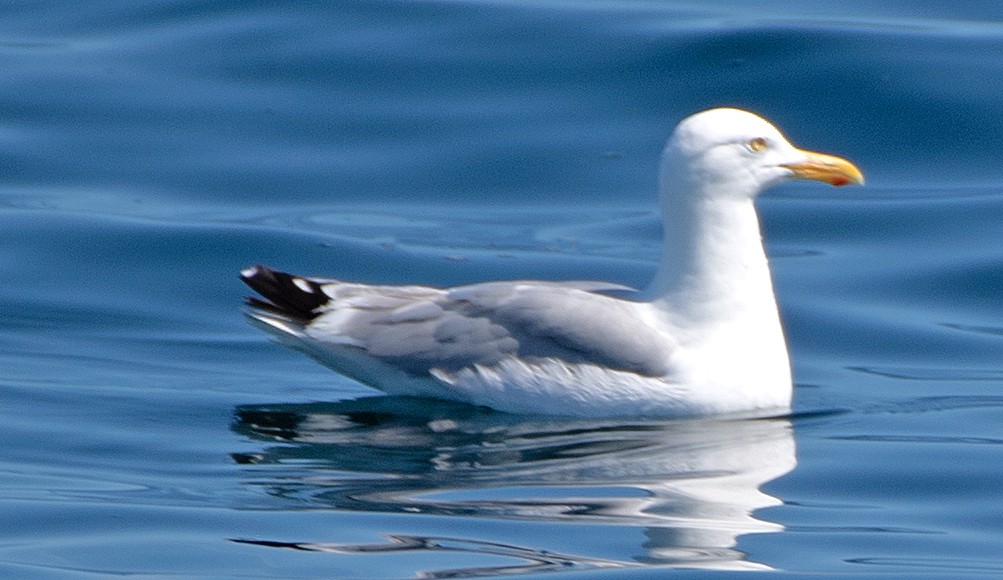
(418, 329)
(574, 321)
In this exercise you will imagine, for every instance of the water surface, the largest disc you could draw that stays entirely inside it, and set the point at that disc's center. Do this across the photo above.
(151, 150)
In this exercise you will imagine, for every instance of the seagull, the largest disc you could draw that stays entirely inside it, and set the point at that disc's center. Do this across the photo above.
(704, 338)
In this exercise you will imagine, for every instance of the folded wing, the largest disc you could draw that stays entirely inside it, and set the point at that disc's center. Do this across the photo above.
(420, 330)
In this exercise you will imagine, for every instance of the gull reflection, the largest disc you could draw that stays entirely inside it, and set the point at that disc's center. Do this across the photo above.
(693, 487)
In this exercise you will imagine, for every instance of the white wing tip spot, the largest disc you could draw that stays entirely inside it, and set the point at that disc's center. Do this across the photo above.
(249, 272)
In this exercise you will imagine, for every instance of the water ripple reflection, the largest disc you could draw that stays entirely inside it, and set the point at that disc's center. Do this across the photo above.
(692, 487)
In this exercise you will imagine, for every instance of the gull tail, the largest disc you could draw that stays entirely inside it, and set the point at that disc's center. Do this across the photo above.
(286, 308)
(292, 298)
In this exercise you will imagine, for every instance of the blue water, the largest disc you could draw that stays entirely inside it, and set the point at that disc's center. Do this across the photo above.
(149, 150)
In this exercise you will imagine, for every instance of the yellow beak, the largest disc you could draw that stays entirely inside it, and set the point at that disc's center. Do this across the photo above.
(827, 168)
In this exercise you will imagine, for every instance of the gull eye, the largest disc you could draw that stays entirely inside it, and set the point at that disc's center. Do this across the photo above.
(756, 145)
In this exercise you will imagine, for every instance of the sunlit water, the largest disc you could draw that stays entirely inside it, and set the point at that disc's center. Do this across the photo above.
(152, 150)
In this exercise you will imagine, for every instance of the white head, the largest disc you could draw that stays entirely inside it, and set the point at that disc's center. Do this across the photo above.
(735, 154)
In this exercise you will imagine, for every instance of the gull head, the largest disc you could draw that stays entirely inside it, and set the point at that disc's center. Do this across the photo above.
(731, 153)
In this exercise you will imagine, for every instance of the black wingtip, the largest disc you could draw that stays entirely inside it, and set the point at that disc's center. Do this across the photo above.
(293, 296)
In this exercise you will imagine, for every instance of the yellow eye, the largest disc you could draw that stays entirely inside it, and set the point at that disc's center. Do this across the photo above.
(756, 145)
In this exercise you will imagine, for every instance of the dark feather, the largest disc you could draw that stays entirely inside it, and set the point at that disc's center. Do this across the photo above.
(292, 296)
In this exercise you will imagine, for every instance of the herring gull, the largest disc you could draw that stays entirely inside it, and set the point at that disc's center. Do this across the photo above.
(704, 338)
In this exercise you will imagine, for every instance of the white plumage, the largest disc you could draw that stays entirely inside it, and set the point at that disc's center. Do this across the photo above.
(704, 338)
